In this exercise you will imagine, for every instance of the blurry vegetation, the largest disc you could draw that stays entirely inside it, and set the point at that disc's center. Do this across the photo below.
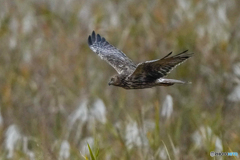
(54, 97)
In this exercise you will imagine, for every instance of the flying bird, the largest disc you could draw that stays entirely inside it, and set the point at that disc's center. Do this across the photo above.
(131, 76)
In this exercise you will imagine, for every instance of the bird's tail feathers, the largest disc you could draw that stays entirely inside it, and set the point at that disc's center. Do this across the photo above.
(173, 81)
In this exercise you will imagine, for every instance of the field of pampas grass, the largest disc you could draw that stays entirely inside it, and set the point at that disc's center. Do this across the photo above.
(55, 102)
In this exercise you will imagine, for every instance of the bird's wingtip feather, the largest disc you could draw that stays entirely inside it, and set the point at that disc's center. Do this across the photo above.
(93, 33)
(93, 37)
(98, 38)
(167, 55)
(89, 41)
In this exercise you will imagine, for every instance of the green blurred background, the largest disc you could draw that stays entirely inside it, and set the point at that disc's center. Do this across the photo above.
(54, 97)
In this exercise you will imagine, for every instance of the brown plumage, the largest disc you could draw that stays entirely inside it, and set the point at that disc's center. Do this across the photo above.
(131, 76)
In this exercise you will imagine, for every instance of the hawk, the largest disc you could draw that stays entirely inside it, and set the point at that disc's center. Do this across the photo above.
(131, 76)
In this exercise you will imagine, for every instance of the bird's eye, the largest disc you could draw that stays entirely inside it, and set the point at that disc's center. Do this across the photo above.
(112, 79)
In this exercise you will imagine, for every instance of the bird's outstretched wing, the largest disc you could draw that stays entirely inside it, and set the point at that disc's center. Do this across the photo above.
(152, 70)
(116, 58)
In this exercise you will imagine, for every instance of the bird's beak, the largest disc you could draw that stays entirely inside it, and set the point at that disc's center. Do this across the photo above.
(109, 83)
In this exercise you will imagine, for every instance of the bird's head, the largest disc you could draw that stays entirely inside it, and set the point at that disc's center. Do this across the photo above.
(115, 80)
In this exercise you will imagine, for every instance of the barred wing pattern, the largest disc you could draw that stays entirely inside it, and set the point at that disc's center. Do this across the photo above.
(152, 70)
(116, 58)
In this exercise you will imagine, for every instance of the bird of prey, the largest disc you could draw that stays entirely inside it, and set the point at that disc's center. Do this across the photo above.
(131, 76)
